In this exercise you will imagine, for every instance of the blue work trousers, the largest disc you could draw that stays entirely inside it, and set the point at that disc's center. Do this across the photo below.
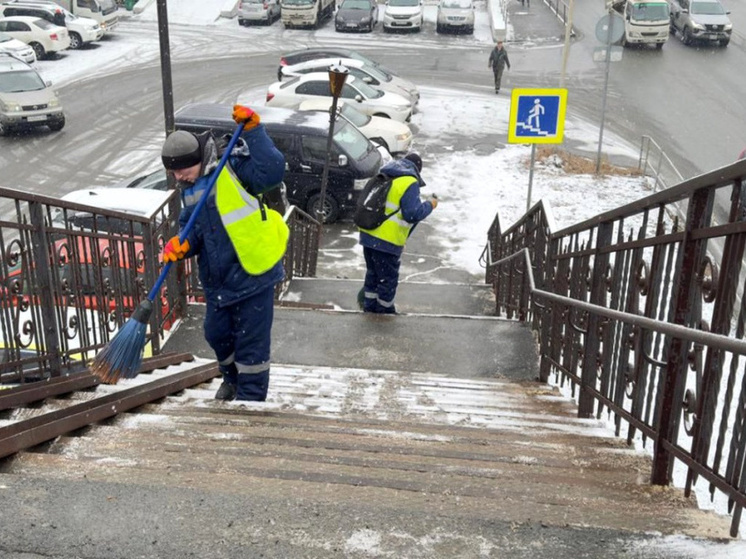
(240, 336)
(381, 280)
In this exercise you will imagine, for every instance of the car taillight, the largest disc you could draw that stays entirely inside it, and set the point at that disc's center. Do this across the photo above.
(265, 6)
(54, 37)
(270, 96)
(283, 62)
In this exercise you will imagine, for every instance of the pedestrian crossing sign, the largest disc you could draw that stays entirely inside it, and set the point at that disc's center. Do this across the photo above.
(537, 116)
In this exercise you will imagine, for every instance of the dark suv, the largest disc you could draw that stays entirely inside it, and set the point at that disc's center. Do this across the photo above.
(301, 136)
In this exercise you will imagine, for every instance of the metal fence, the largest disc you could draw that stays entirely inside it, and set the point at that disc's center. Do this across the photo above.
(633, 310)
(71, 274)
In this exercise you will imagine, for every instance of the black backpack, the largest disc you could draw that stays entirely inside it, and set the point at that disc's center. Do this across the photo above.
(371, 205)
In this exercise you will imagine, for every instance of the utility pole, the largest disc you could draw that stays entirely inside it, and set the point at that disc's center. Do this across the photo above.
(568, 35)
(168, 90)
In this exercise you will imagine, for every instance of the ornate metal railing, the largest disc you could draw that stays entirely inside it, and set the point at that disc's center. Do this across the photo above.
(71, 274)
(645, 314)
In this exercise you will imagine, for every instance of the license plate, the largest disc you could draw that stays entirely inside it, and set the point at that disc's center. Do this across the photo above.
(712, 36)
(36, 118)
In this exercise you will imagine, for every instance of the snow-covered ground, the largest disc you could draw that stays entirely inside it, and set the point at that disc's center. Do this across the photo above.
(473, 185)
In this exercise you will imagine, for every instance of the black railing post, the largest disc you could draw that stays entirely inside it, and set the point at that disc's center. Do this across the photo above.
(592, 339)
(44, 288)
(691, 254)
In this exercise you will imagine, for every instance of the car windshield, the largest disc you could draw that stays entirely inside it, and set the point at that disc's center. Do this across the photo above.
(465, 4)
(368, 91)
(377, 73)
(655, 11)
(400, 3)
(354, 116)
(25, 80)
(352, 141)
(107, 5)
(4, 37)
(707, 8)
(355, 5)
(297, 2)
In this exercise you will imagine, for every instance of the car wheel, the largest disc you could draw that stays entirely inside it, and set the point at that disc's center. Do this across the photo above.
(330, 212)
(75, 41)
(659, 46)
(724, 42)
(38, 50)
(438, 28)
(381, 142)
(4, 130)
(672, 28)
(57, 125)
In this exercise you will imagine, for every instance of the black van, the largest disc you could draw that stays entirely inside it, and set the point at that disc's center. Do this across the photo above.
(301, 136)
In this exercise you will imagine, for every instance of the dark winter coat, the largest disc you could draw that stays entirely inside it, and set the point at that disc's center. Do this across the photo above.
(413, 210)
(223, 278)
(498, 59)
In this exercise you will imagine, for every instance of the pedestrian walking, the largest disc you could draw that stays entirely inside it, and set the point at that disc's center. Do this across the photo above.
(526, 3)
(498, 61)
(383, 246)
(239, 244)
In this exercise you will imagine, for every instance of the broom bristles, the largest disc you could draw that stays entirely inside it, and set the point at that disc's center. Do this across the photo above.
(122, 356)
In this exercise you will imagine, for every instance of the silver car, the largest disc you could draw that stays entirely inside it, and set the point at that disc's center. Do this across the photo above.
(455, 15)
(258, 11)
(26, 101)
(705, 20)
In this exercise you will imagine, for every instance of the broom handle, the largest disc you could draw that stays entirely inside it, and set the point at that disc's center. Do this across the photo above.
(202, 201)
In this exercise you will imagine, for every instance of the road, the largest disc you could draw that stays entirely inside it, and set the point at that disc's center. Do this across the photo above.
(689, 99)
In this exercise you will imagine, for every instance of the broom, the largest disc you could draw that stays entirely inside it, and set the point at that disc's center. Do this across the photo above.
(122, 356)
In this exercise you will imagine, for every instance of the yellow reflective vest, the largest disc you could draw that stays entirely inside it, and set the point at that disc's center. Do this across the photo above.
(259, 235)
(395, 229)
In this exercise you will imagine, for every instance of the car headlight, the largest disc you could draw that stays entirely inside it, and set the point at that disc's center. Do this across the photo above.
(698, 26)
(728, 26)
(365, 20)
(11, 106)
(54, 103)
(405, 136)
(340, 19)
(359, 184)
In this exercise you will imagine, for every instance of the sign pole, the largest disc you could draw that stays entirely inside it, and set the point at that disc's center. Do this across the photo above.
(531, 177)
(606, 89)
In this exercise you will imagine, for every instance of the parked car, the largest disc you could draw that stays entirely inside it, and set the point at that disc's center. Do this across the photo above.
(82, 30)
(403, 14)
(303, 55)
(367, 99)
(26, 101)
(45, 38)
(455, 15)
(395, 136)
(258, 11)
(301, 136)
(372, 75)
(17, 48)
(356, 15)
(701, 20)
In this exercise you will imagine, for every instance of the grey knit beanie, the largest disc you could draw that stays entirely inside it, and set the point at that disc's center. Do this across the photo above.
(416, 159)
(181, 150)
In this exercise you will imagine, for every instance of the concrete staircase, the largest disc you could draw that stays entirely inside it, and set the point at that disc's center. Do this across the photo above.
(419, 435)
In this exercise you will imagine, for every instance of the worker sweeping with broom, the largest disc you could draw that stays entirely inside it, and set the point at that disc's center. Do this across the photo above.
(239, 244)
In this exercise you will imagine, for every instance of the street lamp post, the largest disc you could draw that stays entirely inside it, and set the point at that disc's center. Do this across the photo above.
(337, 77)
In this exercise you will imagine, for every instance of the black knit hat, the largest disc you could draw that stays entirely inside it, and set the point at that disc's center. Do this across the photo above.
(181, 150)
(416, 159)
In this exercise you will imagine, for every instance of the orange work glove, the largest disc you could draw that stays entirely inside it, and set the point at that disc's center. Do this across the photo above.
(174, 250)
(434, 201)
(245, 115)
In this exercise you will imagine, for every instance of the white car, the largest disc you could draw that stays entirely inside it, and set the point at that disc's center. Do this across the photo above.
(403, 14)
(17, 48)
(367, 99)
(372, 75)
(82, 30)
(455, 15)
(42, 36)
(260, 11)
(395, 136)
